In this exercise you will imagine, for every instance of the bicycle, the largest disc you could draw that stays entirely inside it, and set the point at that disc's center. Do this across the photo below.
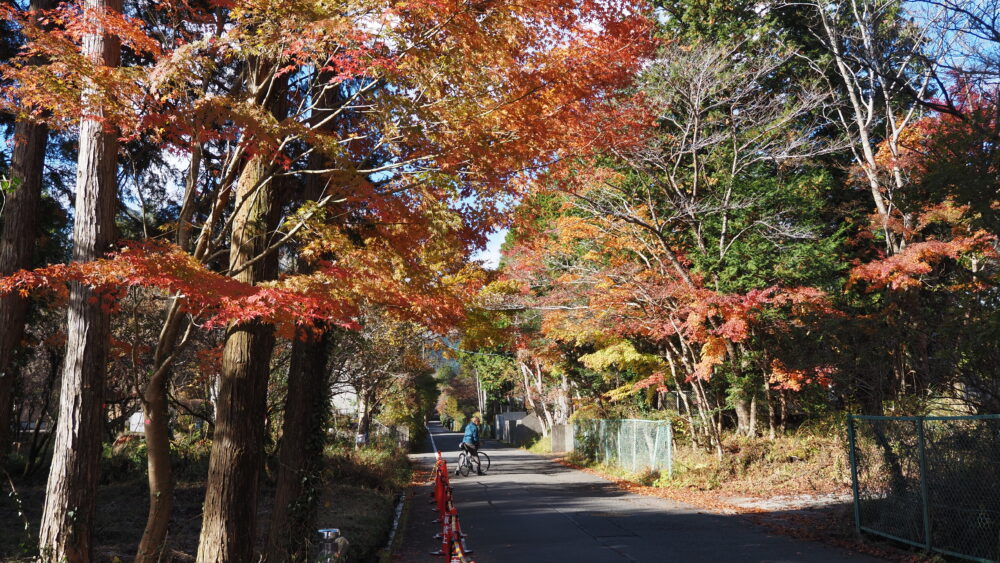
(465, 463)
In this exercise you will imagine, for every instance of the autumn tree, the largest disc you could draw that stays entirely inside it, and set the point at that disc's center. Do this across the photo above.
(425, 160)
(696, 201)
(880, 61)
(376, 361)
(950, 263)
(901, 66)
(442, 88)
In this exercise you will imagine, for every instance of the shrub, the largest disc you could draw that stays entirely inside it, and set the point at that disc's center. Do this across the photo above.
(190, 453)
(369, 467)
(123, 460)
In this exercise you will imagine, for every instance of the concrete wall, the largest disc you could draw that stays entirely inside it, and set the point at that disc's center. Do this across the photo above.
(503, 424)
(525, 430)
(562, 437)
(520, 428)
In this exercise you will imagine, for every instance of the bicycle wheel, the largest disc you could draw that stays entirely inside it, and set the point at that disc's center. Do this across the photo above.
(464, 465)
(484, 462)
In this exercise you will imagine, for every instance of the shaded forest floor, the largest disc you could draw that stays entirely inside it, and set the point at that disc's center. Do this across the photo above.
(358, 498)
(120, 518)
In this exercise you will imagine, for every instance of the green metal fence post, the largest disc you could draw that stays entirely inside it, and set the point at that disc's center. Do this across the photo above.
(635, 446)
(604, 439)
(922, 452)
(670, 449)
(854, 472)
(654, 460)
(618, 454)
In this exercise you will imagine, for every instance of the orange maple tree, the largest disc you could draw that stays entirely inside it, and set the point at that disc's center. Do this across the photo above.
(422, 118)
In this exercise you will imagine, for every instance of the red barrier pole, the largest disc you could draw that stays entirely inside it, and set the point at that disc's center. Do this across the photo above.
(444, 491)
(446, 540)
(452, 543)
(461, 551)
(436, 476)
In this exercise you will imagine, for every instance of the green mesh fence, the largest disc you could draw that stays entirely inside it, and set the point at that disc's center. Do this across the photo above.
(931, 482)
(633, 445)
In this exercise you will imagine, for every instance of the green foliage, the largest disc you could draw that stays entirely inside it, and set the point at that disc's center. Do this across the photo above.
(496, 372)
(411, 404)
(124, 460)
(808, 255)
(9, 185)
(189, 455)
(714, 20)
(447, 408)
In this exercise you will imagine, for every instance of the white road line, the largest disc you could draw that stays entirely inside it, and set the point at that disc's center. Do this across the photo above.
(431, 434)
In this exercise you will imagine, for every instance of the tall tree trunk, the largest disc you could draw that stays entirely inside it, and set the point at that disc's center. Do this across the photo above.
(539, 408)
(230, 515)
(783, 410)
(229, 522)
(742, 407)
(565, 406)
(67, 520)
(300, 454)
(366, 404)
(682, 396)
(17, 246)
(156, 416)
(547, 421)
(712, 414)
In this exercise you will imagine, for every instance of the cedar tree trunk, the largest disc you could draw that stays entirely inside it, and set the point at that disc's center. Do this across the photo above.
(303, 434)
(229, 524)
(67, 520)
(300, 454)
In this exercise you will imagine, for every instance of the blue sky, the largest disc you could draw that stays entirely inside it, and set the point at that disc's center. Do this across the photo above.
(491, 256)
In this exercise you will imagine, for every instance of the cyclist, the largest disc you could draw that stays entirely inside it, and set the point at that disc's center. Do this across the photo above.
(470, 443)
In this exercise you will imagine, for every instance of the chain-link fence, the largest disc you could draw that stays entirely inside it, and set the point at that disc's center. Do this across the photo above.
(931, 482)
(633, 445)
(398, 435)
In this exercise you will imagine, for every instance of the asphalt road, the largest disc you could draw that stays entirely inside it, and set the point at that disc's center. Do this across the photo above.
(529, 509)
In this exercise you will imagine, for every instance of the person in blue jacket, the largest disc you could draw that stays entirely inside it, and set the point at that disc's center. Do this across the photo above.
(470, 442)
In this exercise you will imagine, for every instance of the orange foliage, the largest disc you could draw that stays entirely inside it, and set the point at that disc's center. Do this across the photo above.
(463, 100)
(905, 269)
(596, 291)
(211, 296)
(783, 377)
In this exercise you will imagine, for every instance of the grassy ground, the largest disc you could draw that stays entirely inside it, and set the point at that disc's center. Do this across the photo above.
(361, 503)
(812, 460)
(541, 445)
(789, 465)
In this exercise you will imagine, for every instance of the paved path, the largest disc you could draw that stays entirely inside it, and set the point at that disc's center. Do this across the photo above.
(529, 509)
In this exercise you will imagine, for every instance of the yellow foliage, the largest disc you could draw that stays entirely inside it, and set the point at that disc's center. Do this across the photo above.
(622, 356)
